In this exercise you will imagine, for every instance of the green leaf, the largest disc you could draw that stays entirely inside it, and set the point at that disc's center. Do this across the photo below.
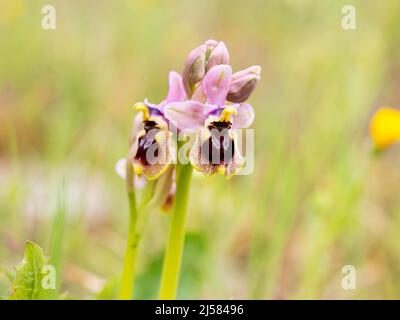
(28, 281)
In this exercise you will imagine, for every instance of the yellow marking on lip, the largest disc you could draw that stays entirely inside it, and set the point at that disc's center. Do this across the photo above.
(226, 114)
(137, 169)
(140, 106)
(222, 170)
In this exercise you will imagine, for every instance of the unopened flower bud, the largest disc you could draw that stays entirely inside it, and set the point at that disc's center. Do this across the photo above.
(211, 44)
(219, 55)
(243, 83)
(194, 68)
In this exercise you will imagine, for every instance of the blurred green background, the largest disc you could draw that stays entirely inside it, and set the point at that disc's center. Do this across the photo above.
(319, 198)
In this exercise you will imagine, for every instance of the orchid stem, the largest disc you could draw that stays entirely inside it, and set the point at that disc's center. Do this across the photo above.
(137, 222)
(174, 251)
(128, 273)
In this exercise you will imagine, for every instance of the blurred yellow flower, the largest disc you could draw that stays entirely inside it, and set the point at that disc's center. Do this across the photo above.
(385, 127)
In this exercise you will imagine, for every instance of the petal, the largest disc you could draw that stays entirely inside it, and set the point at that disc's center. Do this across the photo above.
(161, 106)
(162, 188)
(243, 83)
(219, 55)
(139, 182)
(203, 161)
(244, 117)
(153, 160)
(241, 89)
(154, 109)
(197, 156)
(210, 108)
(253, 70)
(186, 115)
(198, 94)
(149, 104)
(194, 68)
(120, 168)
(211, 43)
(137, 122)
(154, 113)
(176, 90)
(151, 172)
(216, 83)
(232, 167)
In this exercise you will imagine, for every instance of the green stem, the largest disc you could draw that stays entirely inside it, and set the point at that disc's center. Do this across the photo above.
(128, 273)
(173, 254)
(137, 221)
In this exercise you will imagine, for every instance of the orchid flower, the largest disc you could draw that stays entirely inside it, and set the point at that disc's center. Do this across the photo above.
(150, 140)
(150, 132)
(152, 150)
(215, 148)
(208, 100)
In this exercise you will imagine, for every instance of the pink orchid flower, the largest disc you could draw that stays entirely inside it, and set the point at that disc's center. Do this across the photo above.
(215, 149)
(151, 150)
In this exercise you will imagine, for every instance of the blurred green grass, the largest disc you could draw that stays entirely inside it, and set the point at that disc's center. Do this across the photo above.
(317, 200)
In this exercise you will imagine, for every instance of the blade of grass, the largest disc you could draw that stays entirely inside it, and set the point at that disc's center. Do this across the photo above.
(57, 236)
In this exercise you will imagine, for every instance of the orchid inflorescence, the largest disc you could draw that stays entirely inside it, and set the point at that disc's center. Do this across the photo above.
(208, 100)
(207, 103)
